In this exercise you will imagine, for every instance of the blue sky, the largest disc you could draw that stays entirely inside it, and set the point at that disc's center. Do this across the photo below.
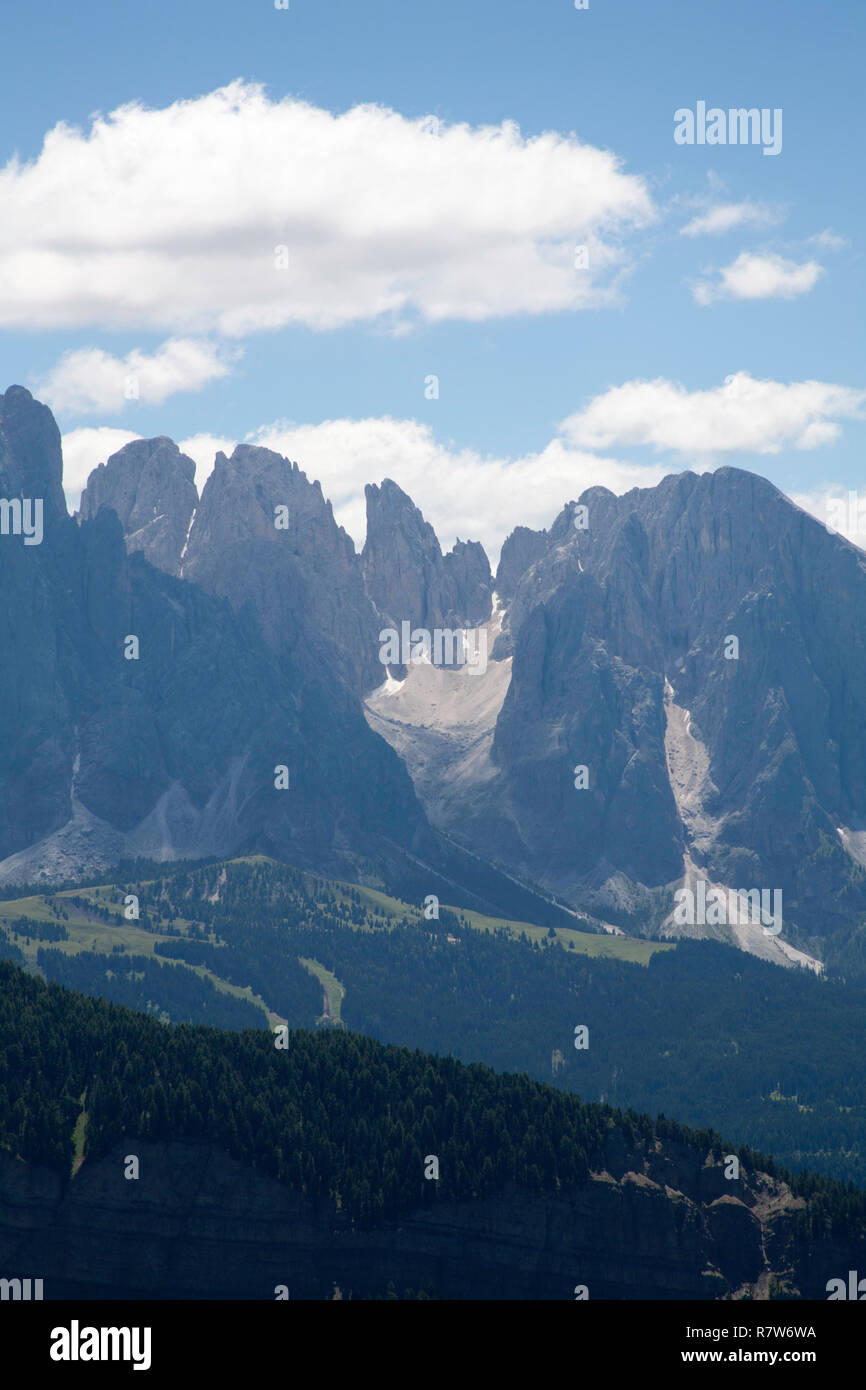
(780, 307)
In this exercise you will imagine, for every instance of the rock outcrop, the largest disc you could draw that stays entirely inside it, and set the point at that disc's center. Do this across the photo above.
(264, 535)
(717, 596)
(686, 689)
(150, 484)
(520, 551)
(407, 576)
(686, 694)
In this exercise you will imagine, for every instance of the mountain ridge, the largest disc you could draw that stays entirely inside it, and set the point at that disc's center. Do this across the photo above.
(606, 662)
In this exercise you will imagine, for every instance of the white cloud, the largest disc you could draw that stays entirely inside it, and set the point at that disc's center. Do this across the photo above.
(724, 216)
(91, 379)
(744, 414)
(203, 449)
(171, 219)
(830, 240)
(82, 450)
(753, 276)
(837, 508)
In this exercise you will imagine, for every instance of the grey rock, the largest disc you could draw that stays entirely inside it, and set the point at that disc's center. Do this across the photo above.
(520, 550)
(150, 484)
(407, 576)
(173, 753)
(304, 581)
(618, 625)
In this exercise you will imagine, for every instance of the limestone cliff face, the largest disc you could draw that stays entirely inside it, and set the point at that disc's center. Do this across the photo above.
(52, 617)
(198, 1225)
(296, 568)
(709, 613)
(521, 550)
(695, 647)
(172, 752)
(150, 484)
(407, 576)
(469, 568)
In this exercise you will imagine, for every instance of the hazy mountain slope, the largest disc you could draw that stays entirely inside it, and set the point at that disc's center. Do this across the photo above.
(176, 751)
(748, 771)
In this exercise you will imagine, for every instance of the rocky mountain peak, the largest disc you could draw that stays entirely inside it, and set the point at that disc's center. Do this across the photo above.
(408, 577)
(150, 484)
(31, 462)
(519, 552)
(265, 535)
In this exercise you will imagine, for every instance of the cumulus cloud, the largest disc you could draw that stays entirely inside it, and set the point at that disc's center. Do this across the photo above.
(232, 212)
(725, 216)
(744, 414)
(91, 379)
(753, 276)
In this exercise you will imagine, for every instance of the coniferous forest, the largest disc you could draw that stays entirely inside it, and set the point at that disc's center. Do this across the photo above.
(700, 1032)
(334, 1115)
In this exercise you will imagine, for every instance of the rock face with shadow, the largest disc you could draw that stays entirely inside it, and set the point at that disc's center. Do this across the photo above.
(697, 647)
(295, 567)
(166, 745)
(686, 696)
(150, 484)
(152, 713)
(520, 551)
(196, 1224)
(407, 576)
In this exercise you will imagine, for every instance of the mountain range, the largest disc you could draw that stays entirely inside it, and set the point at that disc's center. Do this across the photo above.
(669, 690)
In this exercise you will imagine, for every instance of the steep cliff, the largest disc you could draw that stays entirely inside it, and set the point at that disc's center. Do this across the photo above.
(264, 535)
(407, 576)
(150, 484)
(197, 1224)
(686, 701)
(141, 714)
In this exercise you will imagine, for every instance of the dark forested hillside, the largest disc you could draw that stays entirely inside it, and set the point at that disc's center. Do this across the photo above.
(347, 1129)
(332, 1114)
(177, 996)
(708, 1034)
